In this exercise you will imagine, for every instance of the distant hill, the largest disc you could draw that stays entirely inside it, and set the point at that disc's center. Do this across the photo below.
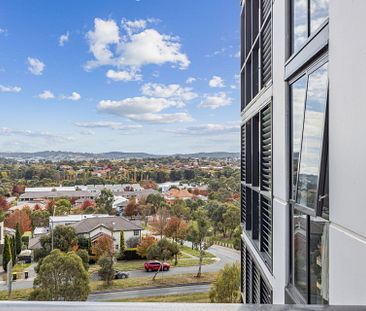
(115, 155)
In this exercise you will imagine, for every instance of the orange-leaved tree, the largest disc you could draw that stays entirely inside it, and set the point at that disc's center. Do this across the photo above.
(144, 244)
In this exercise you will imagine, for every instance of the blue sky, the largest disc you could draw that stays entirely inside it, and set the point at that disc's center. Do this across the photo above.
(156, 76)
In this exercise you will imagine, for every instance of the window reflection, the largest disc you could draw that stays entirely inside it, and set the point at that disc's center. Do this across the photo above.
(300, 271)
(318, 13)
(298, 90)
(312, 138)
(299, 23)
(318, 260)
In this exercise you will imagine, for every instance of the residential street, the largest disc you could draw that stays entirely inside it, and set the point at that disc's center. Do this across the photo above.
(225, 256)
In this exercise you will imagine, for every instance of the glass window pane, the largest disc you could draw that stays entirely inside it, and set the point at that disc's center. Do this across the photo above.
(318, 13)
(299, 242)
(307, 186)
(299, 23)
(298, 90)
(318, 260)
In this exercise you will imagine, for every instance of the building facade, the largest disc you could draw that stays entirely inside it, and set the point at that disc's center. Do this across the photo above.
(302, 216)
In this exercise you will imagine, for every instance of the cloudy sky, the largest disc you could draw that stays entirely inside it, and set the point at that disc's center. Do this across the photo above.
(155, 76)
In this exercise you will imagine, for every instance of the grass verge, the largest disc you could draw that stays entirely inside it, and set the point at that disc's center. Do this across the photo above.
(186, 298)
(139, 264)
(195, 252)
(168, 280)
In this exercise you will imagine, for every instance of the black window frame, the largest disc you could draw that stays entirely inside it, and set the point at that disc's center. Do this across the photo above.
(292, 293)
(310, 35)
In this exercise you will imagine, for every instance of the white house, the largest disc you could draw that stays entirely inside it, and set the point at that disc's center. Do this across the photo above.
(94, 228)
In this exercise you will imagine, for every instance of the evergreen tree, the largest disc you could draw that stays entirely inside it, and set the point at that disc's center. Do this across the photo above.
(122, 246)
(18, 240)
(12, 249)
(6, 253)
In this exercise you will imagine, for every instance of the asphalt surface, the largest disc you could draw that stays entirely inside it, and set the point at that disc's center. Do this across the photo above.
(224, 255)
(149, 292)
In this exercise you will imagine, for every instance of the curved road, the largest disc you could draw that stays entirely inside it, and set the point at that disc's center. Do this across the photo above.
(224, 255)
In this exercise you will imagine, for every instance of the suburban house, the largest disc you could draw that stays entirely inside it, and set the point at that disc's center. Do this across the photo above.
(93, 228)
(119, 204)
(72, 219)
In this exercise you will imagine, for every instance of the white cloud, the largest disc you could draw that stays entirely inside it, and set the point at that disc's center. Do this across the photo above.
(9, 89)
(105, 34)
(4, 131)
(215, 101)
(74, 96)
(137, 105)
(63, 38)
(190, 80)
(107, 124)
(162, 118)
(35, 66)
(46, 94)
(209, 129)
(138, 48)
(124, 75)
(3, 31)
(145, 109)
(168, 91)
(216, 81)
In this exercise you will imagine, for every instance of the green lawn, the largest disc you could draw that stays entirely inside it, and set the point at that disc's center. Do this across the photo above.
(131, 265)
(166, 280)
(97, 286)
(20, 267)
(193, 298)
(194, 252)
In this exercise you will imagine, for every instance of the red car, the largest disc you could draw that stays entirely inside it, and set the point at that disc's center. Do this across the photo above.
(156, 265)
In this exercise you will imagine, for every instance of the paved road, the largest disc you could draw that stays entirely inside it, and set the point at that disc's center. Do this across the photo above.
(224, 255)
(149, 292)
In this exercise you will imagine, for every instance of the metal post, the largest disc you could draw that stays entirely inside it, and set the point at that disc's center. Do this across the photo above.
(10, 276)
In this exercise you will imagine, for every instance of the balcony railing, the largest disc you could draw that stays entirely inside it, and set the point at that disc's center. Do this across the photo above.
(134, 306)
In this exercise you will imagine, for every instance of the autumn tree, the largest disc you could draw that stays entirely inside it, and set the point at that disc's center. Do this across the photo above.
(88, 206)
(61, 277)
(176, 229)
(199, 231)
(22, 217)
(104, 250)
(18, 190)
(226, 288)
(144, 244)
(132, 208)
(4, 205)
(103, 246)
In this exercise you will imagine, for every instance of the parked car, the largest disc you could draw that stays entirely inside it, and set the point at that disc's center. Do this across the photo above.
(121, 275)
(156, 265)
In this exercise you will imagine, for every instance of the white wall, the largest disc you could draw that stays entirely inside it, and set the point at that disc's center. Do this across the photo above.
(280, 156)
(347, 151)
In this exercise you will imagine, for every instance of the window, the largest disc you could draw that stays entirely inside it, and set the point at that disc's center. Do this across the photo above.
(309, 177)
(136, 232)
(312, 138)
(256, 48)
(256, 187)
(307, 17)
